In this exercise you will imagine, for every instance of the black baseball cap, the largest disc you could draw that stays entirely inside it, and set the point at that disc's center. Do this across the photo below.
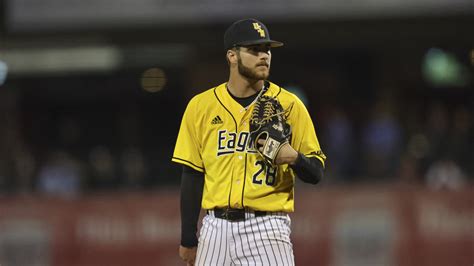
(248, 32)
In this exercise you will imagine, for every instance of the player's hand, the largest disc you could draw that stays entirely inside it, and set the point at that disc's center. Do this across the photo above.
(286, 155)
(188, 254)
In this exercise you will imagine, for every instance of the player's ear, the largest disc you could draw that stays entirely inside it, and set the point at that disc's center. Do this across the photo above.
(232, 56)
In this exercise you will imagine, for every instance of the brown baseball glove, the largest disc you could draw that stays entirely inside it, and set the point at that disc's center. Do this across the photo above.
(269, 122)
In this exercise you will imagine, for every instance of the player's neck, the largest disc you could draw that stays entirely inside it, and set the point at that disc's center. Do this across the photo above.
(241, 87)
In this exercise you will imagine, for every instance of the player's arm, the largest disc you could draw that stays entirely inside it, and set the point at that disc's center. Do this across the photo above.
(192, 184)
(308, 169)
(188, 153)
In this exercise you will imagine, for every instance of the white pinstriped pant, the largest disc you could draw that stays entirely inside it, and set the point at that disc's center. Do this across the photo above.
(263, 240)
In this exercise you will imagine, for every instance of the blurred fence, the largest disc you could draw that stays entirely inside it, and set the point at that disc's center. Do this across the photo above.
(334, 226)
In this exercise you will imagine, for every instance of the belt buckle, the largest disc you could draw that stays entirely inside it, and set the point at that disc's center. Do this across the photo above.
(229, 214)
(226, 214)
(234, 215)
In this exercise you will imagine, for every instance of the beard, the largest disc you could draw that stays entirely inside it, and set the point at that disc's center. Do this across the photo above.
(252, 73)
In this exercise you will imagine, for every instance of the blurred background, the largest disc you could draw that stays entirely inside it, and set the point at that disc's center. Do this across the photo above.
(92, 93)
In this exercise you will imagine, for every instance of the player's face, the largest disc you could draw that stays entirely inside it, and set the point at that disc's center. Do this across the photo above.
(254, 61)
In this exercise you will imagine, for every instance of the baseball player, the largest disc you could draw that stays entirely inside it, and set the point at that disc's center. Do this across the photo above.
(247, 201)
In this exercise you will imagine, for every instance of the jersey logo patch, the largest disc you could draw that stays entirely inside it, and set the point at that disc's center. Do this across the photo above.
(217, 120)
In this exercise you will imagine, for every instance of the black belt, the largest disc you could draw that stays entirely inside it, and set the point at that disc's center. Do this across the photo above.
(235, 214)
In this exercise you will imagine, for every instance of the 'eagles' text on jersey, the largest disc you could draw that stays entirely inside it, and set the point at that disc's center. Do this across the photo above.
(214, 139)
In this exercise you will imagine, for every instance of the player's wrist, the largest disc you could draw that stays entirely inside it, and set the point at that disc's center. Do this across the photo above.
(287, 155)
(293, 157)
(189, 244)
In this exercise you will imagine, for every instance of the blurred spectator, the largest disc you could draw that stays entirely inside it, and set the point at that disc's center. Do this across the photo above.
(339, 146)
(25, 168)
(61, 175)
(134, 169)
(449, 140)
(461, 139)
(436, 131)
(17, 164)
(408, 171)
(382, 142)
(445, 173)
(102, 174)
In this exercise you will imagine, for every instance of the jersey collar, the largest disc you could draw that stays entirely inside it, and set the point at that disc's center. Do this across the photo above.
(238, 112)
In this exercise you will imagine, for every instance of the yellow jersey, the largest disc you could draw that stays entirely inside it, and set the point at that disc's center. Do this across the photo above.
(214, 139)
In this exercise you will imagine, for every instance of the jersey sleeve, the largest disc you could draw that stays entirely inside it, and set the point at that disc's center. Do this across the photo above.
(188, 146)
(304, 138)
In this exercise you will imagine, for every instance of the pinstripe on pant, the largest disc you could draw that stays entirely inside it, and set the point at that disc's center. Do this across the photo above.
(263, 240)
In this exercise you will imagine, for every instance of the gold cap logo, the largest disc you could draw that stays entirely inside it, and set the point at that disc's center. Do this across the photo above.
(258, 28)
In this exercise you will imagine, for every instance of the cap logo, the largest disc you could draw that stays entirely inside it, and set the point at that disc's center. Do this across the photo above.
(259, 29)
